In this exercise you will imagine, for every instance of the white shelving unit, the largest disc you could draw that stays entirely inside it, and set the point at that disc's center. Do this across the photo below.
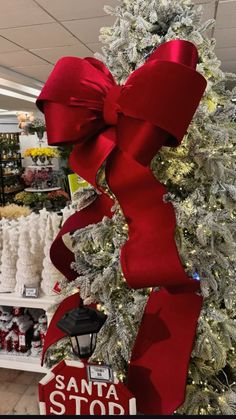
(21, 361)
(11, 299)
(42, 190)
(40, 166)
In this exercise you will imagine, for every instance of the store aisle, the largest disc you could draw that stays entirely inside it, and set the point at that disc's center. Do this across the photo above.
(19, 392)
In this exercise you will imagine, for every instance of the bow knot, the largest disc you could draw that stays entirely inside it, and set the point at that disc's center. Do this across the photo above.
(111, 107)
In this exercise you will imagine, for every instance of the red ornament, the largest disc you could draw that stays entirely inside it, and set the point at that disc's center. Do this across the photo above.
(17, 311)
(66, 390)
(57, 288)
(154, 108)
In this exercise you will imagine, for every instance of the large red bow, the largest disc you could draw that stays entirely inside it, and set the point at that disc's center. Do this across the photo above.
(126, 126)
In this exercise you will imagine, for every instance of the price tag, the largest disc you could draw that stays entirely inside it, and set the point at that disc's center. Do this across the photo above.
(31, 291)
(99, 373)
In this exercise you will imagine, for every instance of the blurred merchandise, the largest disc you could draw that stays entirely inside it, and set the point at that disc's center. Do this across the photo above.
(10, 167)
(22, 331)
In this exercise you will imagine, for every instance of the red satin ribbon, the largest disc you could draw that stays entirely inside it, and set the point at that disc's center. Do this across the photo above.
(154, 108)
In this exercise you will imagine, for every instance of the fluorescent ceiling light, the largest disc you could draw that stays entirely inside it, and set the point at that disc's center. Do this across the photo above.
(20, 87)
(10, 93)
(6, 113)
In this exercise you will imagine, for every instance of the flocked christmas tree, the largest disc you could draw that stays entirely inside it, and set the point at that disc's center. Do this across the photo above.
(200, 177)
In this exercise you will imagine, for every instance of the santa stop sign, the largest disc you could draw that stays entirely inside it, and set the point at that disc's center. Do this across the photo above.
(73, 388)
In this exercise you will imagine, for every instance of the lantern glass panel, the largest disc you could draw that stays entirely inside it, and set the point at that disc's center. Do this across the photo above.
(75, 345)
(83, 345)
(93, 341)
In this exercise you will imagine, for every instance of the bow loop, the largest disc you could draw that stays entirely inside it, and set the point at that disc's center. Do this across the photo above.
(179, 51)
(73, 99)
(165, 85)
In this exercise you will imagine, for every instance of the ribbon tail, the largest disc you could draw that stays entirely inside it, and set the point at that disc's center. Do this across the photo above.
(60, 255)
(54, 333)
(84, 157)
(163, 345)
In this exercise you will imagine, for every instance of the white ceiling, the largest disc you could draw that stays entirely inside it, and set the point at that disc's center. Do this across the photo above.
(34, 34)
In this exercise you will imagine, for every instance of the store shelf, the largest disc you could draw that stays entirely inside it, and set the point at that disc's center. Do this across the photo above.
(21, 362)
(11, 299)
(8, 173)
(13, 159)
(11, 175)
(38, 166)
(42, 190)
(13, 191)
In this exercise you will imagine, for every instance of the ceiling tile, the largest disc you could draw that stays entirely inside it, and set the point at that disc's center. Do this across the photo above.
(226, 54)
(53, 54)
(225, 37)
(87, 30)
(6, 46)
(38, 72)
(15, 13)
(226, 15)
(39, 36)
(229, 66)
(16, 58)
(76, 9)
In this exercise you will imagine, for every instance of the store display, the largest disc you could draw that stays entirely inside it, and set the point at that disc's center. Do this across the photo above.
(36, 245)
(79, 389)
(43, 182)
(75, 184)
(147, 125)
(41, 155)
(40, 178)
(5, 322)
(42, 328)
(50, 275)
(10, 167)
(36, 344)
(30, 125)
(24, 249)
(8, 259)
(27, 269)
(20, 332)
(13, 211)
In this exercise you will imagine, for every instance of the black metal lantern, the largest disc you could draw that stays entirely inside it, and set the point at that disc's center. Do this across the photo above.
(82, 325)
